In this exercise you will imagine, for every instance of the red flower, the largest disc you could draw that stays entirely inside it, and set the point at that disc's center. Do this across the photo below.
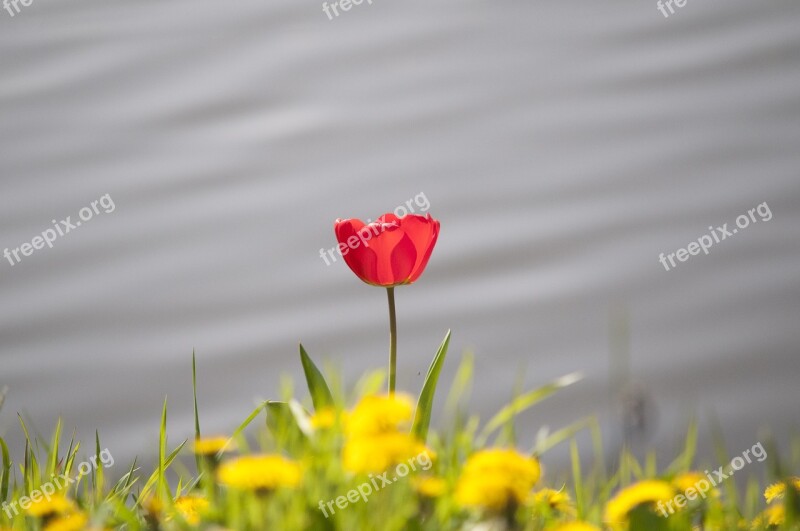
(389, 251)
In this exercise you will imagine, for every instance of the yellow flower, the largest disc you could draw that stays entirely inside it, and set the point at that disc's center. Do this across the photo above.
(260, 472)
(430, 487)
(325, 418)
(190, 507)
(73, 522)
(693, 480)
(153, 505)
(492, 479)
(773, 515)
(556, 500)
(777, 491)
(626, 500)
(379, 414)
(687, 480)
(576, 526)
(213, 445)
(378, 453)
(57, 504)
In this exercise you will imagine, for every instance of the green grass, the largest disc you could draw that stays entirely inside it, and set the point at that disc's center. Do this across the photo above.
(157, 499)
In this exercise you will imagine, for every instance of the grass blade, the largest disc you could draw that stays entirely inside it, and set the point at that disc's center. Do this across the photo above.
(5, 472)
(53, 461)
(163, 488)
(422, 418)
(196, 413)
(523, 402)
(320, 392)
(155, 476)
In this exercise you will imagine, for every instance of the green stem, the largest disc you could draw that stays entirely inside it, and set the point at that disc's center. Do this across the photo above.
(392, 341)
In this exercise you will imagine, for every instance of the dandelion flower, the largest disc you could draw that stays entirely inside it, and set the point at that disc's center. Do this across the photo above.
(777, 491)
(379, 414)
(260, 472)
(378, 453)
(495, 478)
(57, 504)
(430, 487)
(73, 522)
(576, 526)
(773, 515)
(213, 445)
(190, 507)
(629, 498)
(325, 418)
(556, 500)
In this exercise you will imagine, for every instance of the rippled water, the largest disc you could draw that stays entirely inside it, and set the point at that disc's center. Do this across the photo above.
(563, 146)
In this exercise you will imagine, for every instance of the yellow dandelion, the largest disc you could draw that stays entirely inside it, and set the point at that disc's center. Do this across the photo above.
(777, 491)
(57, 504)
(379, 414)
(492, 479)
(644, 492)
(153, 505)
(430, 487)
(687, 480)
(72, 522)
(772, 515)
(260, 472)
(576, 526)
(213, 445)
(695, 481)
(325, 418)
(378, 453)
(191, 507)
(556, 500)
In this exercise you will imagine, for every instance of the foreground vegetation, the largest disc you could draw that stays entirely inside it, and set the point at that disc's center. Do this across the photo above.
(367, 460)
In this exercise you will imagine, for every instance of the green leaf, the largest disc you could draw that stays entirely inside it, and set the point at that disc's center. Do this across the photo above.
(196, 413)
(320, 393)
(422, 418)
(6, 471)
(683, 463)
(577, 477)
(98, 472)
(53, 461)
(546, 440)
(288, 423)
(163, 487)
(30, 467)
(154, 477)
(123, 486)
(242, 442)
(523, 402)
(462, 384)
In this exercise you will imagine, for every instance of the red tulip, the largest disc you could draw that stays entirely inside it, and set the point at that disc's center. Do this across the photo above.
(389, 251)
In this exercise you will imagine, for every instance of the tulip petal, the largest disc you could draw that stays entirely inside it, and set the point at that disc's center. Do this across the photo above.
(423, 231)
(401, 262)
(361, 260)
(393, 250)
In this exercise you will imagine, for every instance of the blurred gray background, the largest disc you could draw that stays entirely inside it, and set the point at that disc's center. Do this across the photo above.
(563, 146)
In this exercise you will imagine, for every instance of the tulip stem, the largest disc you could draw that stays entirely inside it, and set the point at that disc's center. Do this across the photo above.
(392, 341)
